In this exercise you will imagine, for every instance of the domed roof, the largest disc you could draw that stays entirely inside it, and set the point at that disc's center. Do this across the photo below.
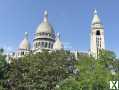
(58, 44)
(45, 26)
(25, 43)
(96, 18)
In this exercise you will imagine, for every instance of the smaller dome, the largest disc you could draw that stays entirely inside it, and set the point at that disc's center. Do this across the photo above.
(58, 44)
(96, 18)
(25, 43)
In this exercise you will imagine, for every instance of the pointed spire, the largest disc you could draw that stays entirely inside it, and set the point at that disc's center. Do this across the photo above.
(96, 18)
(95, 12)
(45, 16)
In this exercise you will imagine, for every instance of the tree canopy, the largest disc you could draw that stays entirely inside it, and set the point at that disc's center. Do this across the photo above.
(58, 70)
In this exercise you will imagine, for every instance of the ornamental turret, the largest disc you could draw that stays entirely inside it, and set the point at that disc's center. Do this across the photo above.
(24, 47)
(58, 44)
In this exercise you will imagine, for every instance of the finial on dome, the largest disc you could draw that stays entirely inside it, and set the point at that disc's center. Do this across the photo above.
(58, 34)
(45, 16)
(45, 13)
(26, 34)
(95, 11)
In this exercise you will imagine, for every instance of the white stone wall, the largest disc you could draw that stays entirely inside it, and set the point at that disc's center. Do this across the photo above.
(97, 41)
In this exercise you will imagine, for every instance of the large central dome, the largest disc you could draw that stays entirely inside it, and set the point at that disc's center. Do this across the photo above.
(44, 35)
(45, 26)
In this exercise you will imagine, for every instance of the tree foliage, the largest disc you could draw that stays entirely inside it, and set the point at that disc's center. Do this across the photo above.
(59, 70)
(41, 71)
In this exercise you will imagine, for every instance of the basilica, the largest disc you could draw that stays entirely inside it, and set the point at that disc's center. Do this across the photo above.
(45, 38)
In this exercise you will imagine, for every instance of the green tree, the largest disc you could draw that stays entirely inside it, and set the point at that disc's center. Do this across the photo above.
(41, 71)
(59, 70)
(68, 84)
(3, 68)
(93, 73)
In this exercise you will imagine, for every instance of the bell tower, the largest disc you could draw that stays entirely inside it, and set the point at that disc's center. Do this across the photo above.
(97, 42)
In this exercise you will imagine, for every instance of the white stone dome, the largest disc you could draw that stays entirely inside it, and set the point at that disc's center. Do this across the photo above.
(45, 26)
(25, 43)
(58, 44)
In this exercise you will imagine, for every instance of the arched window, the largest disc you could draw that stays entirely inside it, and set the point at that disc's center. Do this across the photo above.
(46, 44)
(38, 43)
(22, 53)
(98, 32)
(49, 45)
(42, 44)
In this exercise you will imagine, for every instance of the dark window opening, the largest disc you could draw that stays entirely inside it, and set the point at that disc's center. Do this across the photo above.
(22, 53)
(46, 44)
(98, 33)
(49, 45)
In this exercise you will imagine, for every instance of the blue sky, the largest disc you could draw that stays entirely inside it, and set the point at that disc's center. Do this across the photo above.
(71, 18)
